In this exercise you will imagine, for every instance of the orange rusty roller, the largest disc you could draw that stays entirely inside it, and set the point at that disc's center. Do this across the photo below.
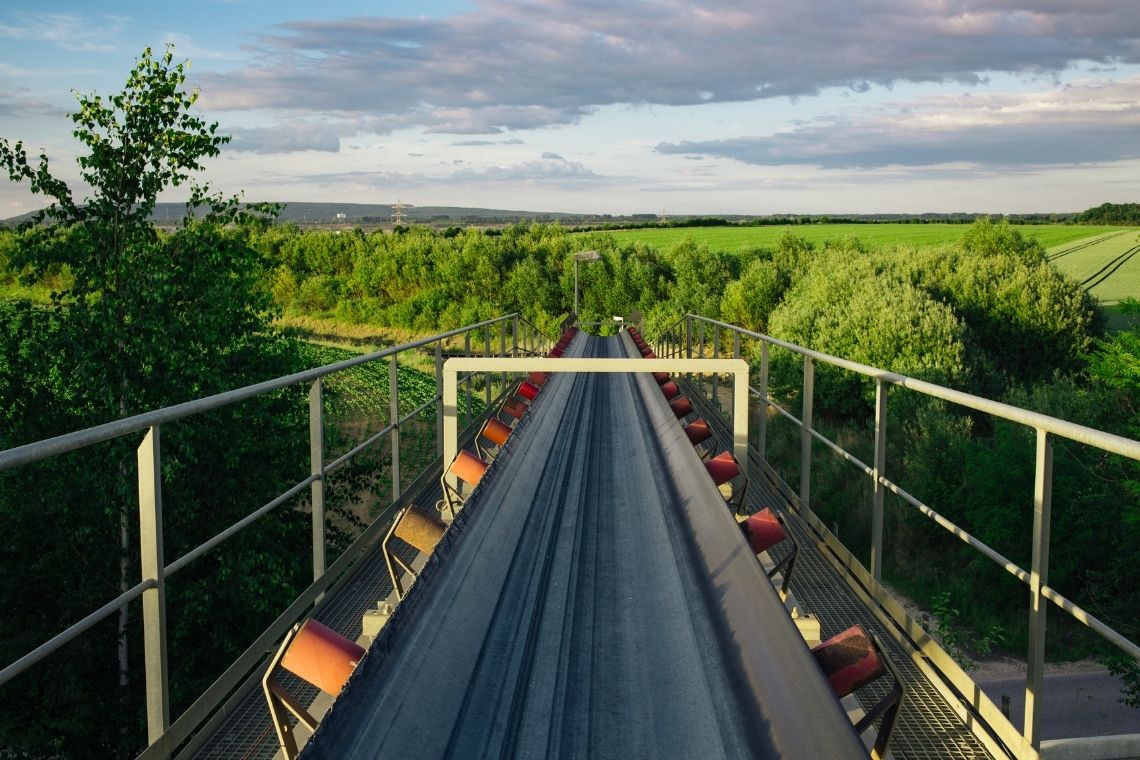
(496, 432)
(528, 390)
(515, 407)
(661, 377)
(645, 350)
(681, 406)
(468, 467)
(763, 530)
(537, 379)
(722, 468)
(670, 390)
(698, 431)
(321, 656)
(849, 660)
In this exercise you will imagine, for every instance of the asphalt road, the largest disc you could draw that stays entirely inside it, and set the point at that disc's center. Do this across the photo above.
(1076, 704)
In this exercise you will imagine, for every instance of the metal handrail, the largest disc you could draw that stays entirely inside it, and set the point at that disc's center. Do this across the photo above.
(1035, 578)
(155, 572)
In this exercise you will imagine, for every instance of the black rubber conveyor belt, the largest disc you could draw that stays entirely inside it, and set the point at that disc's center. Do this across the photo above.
(593, 599)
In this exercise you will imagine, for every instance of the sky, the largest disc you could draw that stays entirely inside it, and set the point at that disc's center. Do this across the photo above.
(592, 106)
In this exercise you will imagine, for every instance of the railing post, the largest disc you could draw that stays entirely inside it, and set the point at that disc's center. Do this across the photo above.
(515, 336)
(762, 422)
(805, 431)
(701, 383)
(487, 375)
(1038, 578)
(467, 411)
(879, 490)
(716, 377)
(317, 468)
(439, 402)
(503, 351)
(689, 342)
(394, 419)
(735, 379)
(153, 599)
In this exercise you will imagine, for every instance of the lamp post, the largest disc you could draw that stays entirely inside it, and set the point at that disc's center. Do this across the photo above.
(581, 256)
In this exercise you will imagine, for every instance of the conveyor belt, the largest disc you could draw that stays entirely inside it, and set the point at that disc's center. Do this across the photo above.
(593, 599)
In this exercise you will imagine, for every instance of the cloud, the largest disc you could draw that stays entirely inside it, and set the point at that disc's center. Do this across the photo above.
(284, 138)
(514, 64)
(68, 31)
(558, 170)
(14, 103)
(1079, 123)
(553, 156)
(472, 143)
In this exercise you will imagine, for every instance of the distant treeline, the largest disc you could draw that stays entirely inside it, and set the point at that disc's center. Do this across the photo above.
(1111, 213)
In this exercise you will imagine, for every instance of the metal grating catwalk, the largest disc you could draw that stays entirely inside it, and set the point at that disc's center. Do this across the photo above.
(928, 726)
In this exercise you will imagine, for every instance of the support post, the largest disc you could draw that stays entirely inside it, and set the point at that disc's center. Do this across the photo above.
(450, 423)
(467, 410)
(701, 381)
(394, 419)
(740, 416)
(317, 467)
(439, 403)
(735, 378)
(515, 336)
(879, 489)
(716, 378)
(503, 352)
(1038, 578)
(805, 431)
(487, 375)
(153, 599)
(762, 423)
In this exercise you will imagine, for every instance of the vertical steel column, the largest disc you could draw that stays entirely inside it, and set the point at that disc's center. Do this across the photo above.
(515, 336)
(317, 468)
(689, 342)
(394, 418)
(503, 352)
(153, 599)
(716, 376)
(450, 424)
(805, 431)
(735, 378)
(701, 384)
(467, 411)
(762, 423)
(487, 375)
(879, 490)
(439, 402)
(1038, 578)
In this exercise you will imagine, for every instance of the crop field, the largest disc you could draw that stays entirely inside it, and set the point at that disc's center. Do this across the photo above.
(1108, 265)
(735, 239)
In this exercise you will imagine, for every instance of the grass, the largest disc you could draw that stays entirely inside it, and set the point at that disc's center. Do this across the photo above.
(1107, 265)
(736, 239)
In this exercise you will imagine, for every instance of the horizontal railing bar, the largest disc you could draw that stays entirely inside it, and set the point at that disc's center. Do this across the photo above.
(1132, 650)
(62, 444)
(339, 462)
(841, 452)
(1107, 441)
(1011, 567)
(57, 641)
(241, 524)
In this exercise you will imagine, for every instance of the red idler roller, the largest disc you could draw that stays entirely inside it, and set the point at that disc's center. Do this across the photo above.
(537, 379)
(496, 432)
(649, 355)
(763, 530)
(698, 431)
(555, 352)
(468, 468)
(322, 657)
(515, 407)
(849, 661)
(661, 377)
(645, 350)
(681, 406)
(670, 390)
(528, 391)
(722, 468)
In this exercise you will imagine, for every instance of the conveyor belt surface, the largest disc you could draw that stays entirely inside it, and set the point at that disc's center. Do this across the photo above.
(593, 599)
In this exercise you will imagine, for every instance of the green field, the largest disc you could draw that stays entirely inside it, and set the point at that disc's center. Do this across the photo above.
(1108, 265)
(922, 235)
